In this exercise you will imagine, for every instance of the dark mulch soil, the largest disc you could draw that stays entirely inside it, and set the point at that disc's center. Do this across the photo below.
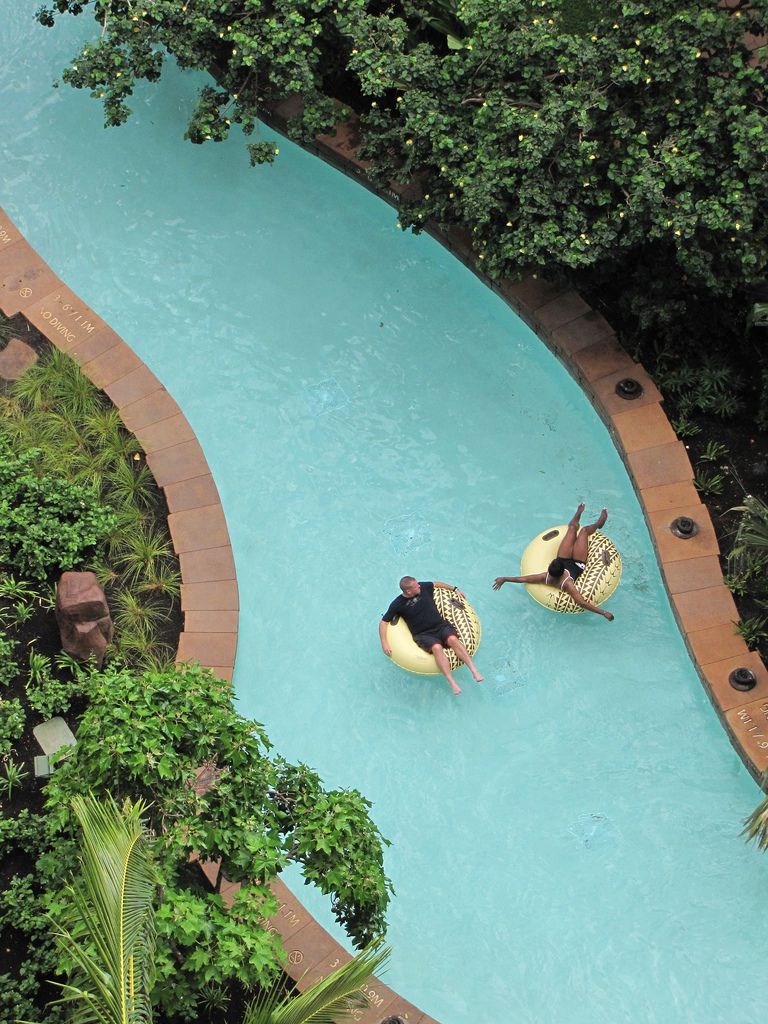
(744, 471)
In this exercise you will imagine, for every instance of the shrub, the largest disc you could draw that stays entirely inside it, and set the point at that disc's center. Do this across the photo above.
(753, 630)
(12, 720)
(8, 666)
(51, 696)
(25, 831)
(24, 909)
(48, 523)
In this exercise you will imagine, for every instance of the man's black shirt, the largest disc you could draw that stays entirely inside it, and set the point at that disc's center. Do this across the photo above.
(420, 612)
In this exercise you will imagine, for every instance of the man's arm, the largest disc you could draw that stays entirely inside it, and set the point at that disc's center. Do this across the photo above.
(536, 577)
(383, 638)
(583, 603)
(448, 586)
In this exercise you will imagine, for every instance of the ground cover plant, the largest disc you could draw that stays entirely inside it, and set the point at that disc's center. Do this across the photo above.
(147, 737)
(143, 728)
(62, 429)
(107, 935)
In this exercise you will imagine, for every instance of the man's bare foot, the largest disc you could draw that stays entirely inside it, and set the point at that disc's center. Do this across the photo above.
(477, 677)
(456, 689)
(602, 518)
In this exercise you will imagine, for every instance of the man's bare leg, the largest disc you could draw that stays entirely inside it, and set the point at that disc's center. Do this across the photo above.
(456, 645)
(581, 547)
(444, 665)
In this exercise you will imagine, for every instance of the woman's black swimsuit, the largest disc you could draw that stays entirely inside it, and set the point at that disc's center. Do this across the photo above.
(573, 570)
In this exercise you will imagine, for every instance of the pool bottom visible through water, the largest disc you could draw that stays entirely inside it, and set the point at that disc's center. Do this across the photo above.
(565, 835)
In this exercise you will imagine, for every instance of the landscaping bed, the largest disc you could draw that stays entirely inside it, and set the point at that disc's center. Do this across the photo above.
(38, 681)
(77, 494)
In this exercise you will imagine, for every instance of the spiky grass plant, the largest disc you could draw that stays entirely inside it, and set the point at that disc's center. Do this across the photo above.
(55, 437)
(87, 469)
(131, 613)
(14, 775)
(103, 426)
(144, 552)
(162, 579)
(138, 646)
(145, 653)
(17, 590)
(32, 390)
(107, 439)
(6, 328)
(56, 383)
(131, 482)
(752, 532)
(106, 573)
(54, 409)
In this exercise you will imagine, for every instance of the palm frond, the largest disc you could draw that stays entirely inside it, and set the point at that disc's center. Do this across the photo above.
(329, 1000)
(756, 825)
(113, 917)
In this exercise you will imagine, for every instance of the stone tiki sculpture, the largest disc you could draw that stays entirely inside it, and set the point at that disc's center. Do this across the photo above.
(83, 616)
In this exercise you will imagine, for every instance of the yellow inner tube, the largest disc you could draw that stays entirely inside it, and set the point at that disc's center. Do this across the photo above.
(598, 581)
(412, 658)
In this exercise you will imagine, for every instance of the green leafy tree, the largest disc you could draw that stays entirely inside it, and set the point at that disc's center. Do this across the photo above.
(108, 935)
(148, 736)
(632, 151)
(558, 143)
(259, 52)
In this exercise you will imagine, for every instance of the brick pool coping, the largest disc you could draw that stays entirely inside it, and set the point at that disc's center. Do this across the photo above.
(657, 463)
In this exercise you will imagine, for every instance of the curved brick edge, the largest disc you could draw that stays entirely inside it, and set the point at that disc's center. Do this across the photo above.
(209, 596)
(656, 460)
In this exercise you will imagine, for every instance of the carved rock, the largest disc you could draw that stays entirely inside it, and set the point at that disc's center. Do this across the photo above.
(83, 616)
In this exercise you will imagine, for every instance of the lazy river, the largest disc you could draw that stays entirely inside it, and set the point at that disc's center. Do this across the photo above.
(564, 836)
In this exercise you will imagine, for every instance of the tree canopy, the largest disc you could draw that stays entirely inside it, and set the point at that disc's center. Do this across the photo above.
(147, 737)
(618, 143)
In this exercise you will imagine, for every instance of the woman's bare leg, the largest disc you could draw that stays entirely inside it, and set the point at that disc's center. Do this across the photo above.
(581, 547)
(568, 542)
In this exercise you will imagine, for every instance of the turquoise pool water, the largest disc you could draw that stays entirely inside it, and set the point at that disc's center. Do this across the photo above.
(565, 836)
